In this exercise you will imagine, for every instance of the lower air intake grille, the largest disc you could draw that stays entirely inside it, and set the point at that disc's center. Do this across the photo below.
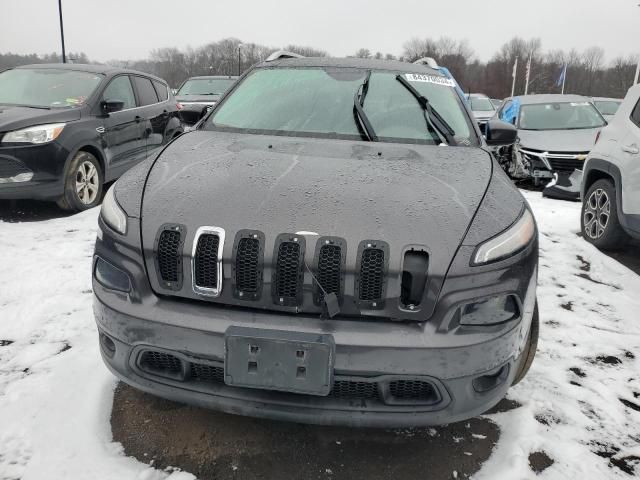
(160, 363)
(565, 164)
(371, 274)
(207, 373)
(206, 261)
(288, 272)
(169, 255)
(247, 266)
(414, 390)
(329, 263)
(354, 389)
(11, 168)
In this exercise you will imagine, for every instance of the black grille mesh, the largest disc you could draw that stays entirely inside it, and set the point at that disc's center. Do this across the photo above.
(168, 255)
(206, 260)
(354, 389)
(329, 262)
(247, 259)
(207, 373)
(411, 390)
(371, 274)
(565, 164)
(288, 270)
(160, 362)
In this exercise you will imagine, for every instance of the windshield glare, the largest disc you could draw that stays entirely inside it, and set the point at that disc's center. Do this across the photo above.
(481, 104)
(47, 87)
(319, 102)
(607, 107)
(560, 116)
(205, 86)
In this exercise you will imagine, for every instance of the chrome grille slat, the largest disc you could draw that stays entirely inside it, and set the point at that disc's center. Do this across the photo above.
(206, 261)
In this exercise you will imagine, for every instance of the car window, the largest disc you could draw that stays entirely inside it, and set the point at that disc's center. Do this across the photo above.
(161, 90)
(120, 89)
(560, 116)
(205, 86)
(607, 107)
(47, 87)
(320, 102)
(635, 115)
(146, 93)
(481, 104)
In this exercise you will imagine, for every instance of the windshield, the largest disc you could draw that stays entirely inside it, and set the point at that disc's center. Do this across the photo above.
(481, 104)
(560, 116)
(48, 88)
(205, 86)
(607, 107)
(319, 102)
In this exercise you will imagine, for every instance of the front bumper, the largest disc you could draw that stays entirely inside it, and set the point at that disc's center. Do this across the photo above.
(358, 362)
(457, 361)
(38, 169)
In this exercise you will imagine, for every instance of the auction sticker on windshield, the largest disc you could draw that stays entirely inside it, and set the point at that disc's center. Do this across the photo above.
(417, 77)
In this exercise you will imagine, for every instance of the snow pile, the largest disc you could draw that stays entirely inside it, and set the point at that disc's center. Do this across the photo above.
(55, 393)
(581, 398)
(578, 403)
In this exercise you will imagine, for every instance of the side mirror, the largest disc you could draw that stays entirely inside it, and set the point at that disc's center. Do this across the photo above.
(499, 133)
(110, 106)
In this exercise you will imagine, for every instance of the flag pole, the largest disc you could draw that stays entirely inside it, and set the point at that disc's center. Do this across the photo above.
(526, 84)
(637, 71)
(564, 77)
(514, 74)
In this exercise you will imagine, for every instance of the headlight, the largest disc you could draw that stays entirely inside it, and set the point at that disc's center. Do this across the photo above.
(509, 242)
(37, 134)
(112, 214)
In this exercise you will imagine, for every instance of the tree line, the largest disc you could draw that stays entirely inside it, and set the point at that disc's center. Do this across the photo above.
(587, 71)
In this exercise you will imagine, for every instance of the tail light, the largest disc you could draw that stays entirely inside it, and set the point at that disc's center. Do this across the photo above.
(597, 136)
(179, 106)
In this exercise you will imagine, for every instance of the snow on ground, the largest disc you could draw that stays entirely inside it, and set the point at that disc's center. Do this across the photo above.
(581, 396)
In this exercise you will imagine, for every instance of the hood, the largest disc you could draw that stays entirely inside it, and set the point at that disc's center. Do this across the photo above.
(557, 141)
(198, 98)
(14, 118)
(398, 194)
(483, 115)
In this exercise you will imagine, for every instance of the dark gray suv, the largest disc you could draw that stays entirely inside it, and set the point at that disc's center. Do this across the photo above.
(333, 244)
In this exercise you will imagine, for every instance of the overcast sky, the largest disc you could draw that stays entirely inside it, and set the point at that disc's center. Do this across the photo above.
(129, 29)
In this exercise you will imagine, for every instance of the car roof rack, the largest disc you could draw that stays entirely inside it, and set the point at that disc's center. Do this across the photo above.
(279, 54)
(427, 61)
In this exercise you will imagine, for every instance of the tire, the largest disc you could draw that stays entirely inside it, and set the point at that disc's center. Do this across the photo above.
(529, 352)
(83, 183)
(599, 217)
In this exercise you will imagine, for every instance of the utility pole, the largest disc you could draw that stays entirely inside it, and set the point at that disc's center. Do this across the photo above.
(239, 47)
(64, 55)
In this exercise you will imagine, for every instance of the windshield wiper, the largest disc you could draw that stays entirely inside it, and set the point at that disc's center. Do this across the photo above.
(433, 118)
(361, 118)
(39, 107)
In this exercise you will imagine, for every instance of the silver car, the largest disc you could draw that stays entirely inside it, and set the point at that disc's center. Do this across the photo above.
(482, 108)
(555, 135)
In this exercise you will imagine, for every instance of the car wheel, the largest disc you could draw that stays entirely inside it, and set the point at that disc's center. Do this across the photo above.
(529, 352)
(599, 218)
(82, 184)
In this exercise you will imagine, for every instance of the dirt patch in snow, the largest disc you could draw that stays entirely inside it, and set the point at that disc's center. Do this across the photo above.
(539, 461)
(213, 445)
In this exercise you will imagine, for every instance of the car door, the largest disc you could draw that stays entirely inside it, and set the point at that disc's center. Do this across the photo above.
(154, 113)
(630, 165)
(122, 140)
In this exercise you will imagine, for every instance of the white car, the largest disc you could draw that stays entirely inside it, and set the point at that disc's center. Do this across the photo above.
(611, 179)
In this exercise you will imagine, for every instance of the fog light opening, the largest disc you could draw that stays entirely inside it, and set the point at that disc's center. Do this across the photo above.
(108, 345)
(111, 277)
(492, 380)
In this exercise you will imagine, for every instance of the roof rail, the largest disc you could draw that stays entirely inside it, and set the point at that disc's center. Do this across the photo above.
(278, 54)
(427, 61)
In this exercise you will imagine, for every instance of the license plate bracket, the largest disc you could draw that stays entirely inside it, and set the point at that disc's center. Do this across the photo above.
(296, 362)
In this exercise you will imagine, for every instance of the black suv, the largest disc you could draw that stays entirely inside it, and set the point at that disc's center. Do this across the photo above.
(198, 95)
(65, 130)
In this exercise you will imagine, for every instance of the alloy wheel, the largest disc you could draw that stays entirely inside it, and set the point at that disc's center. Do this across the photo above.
(596, 214)
(87, 182)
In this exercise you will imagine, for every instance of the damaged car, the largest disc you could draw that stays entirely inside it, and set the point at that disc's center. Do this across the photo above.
(333, 244)
(555, 135)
